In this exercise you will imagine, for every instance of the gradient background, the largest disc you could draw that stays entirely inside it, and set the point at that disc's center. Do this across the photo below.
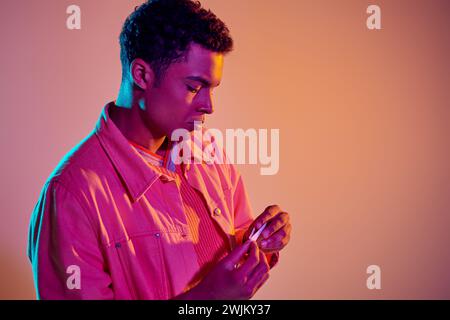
(363, 118)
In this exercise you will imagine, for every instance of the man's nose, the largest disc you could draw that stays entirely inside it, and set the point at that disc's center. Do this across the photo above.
(207, 103)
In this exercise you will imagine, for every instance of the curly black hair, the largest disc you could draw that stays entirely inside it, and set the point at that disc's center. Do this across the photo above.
(160, 32)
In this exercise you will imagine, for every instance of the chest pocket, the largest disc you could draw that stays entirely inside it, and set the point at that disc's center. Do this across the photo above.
(140, 256)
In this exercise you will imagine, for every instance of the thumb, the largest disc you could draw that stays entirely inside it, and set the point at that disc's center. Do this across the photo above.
(235, 256)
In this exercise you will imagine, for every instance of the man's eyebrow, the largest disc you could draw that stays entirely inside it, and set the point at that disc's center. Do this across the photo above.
(202, 80)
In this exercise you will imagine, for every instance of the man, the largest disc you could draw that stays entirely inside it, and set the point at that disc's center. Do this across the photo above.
(118, 219)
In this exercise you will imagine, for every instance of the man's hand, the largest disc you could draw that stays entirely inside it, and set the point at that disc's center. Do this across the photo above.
(277, 232)
(238, 276)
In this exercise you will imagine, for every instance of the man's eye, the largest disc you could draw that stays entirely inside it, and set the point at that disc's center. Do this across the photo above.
(193, 90)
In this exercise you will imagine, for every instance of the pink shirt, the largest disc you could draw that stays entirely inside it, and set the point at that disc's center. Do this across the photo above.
(210, 242)
(108, 226)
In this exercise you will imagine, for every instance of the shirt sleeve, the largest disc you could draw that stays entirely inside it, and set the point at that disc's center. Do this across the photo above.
(243, 213)
(64, 249)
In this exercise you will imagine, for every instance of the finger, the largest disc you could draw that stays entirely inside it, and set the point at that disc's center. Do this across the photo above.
(236, 255)
(263, 264)
(278, 222)
(251, 261)
(251, 290)
(259, 276)
(262, 282)
(267, 214)
(278, 240)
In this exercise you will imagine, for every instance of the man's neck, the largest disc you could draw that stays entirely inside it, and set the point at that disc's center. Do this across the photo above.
(130, 124)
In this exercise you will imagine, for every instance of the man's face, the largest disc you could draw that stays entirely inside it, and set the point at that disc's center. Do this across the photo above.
(185, 92)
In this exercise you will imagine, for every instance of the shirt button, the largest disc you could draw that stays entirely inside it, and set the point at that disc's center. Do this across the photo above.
(217, 211)
(157, 235)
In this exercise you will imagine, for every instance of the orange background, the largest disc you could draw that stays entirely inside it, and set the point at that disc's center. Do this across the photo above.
(363, 118)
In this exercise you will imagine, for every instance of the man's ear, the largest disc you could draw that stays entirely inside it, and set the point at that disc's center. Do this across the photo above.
(142, 74)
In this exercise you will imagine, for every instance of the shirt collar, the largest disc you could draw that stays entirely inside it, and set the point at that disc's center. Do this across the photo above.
(136, 175)
(150, 157)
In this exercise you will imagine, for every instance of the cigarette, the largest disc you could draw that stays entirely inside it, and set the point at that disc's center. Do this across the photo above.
(254, 237)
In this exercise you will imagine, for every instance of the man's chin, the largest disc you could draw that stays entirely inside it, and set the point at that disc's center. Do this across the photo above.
(191, 126)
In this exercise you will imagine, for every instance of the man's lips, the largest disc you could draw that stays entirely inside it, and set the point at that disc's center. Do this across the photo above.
(197, 120)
